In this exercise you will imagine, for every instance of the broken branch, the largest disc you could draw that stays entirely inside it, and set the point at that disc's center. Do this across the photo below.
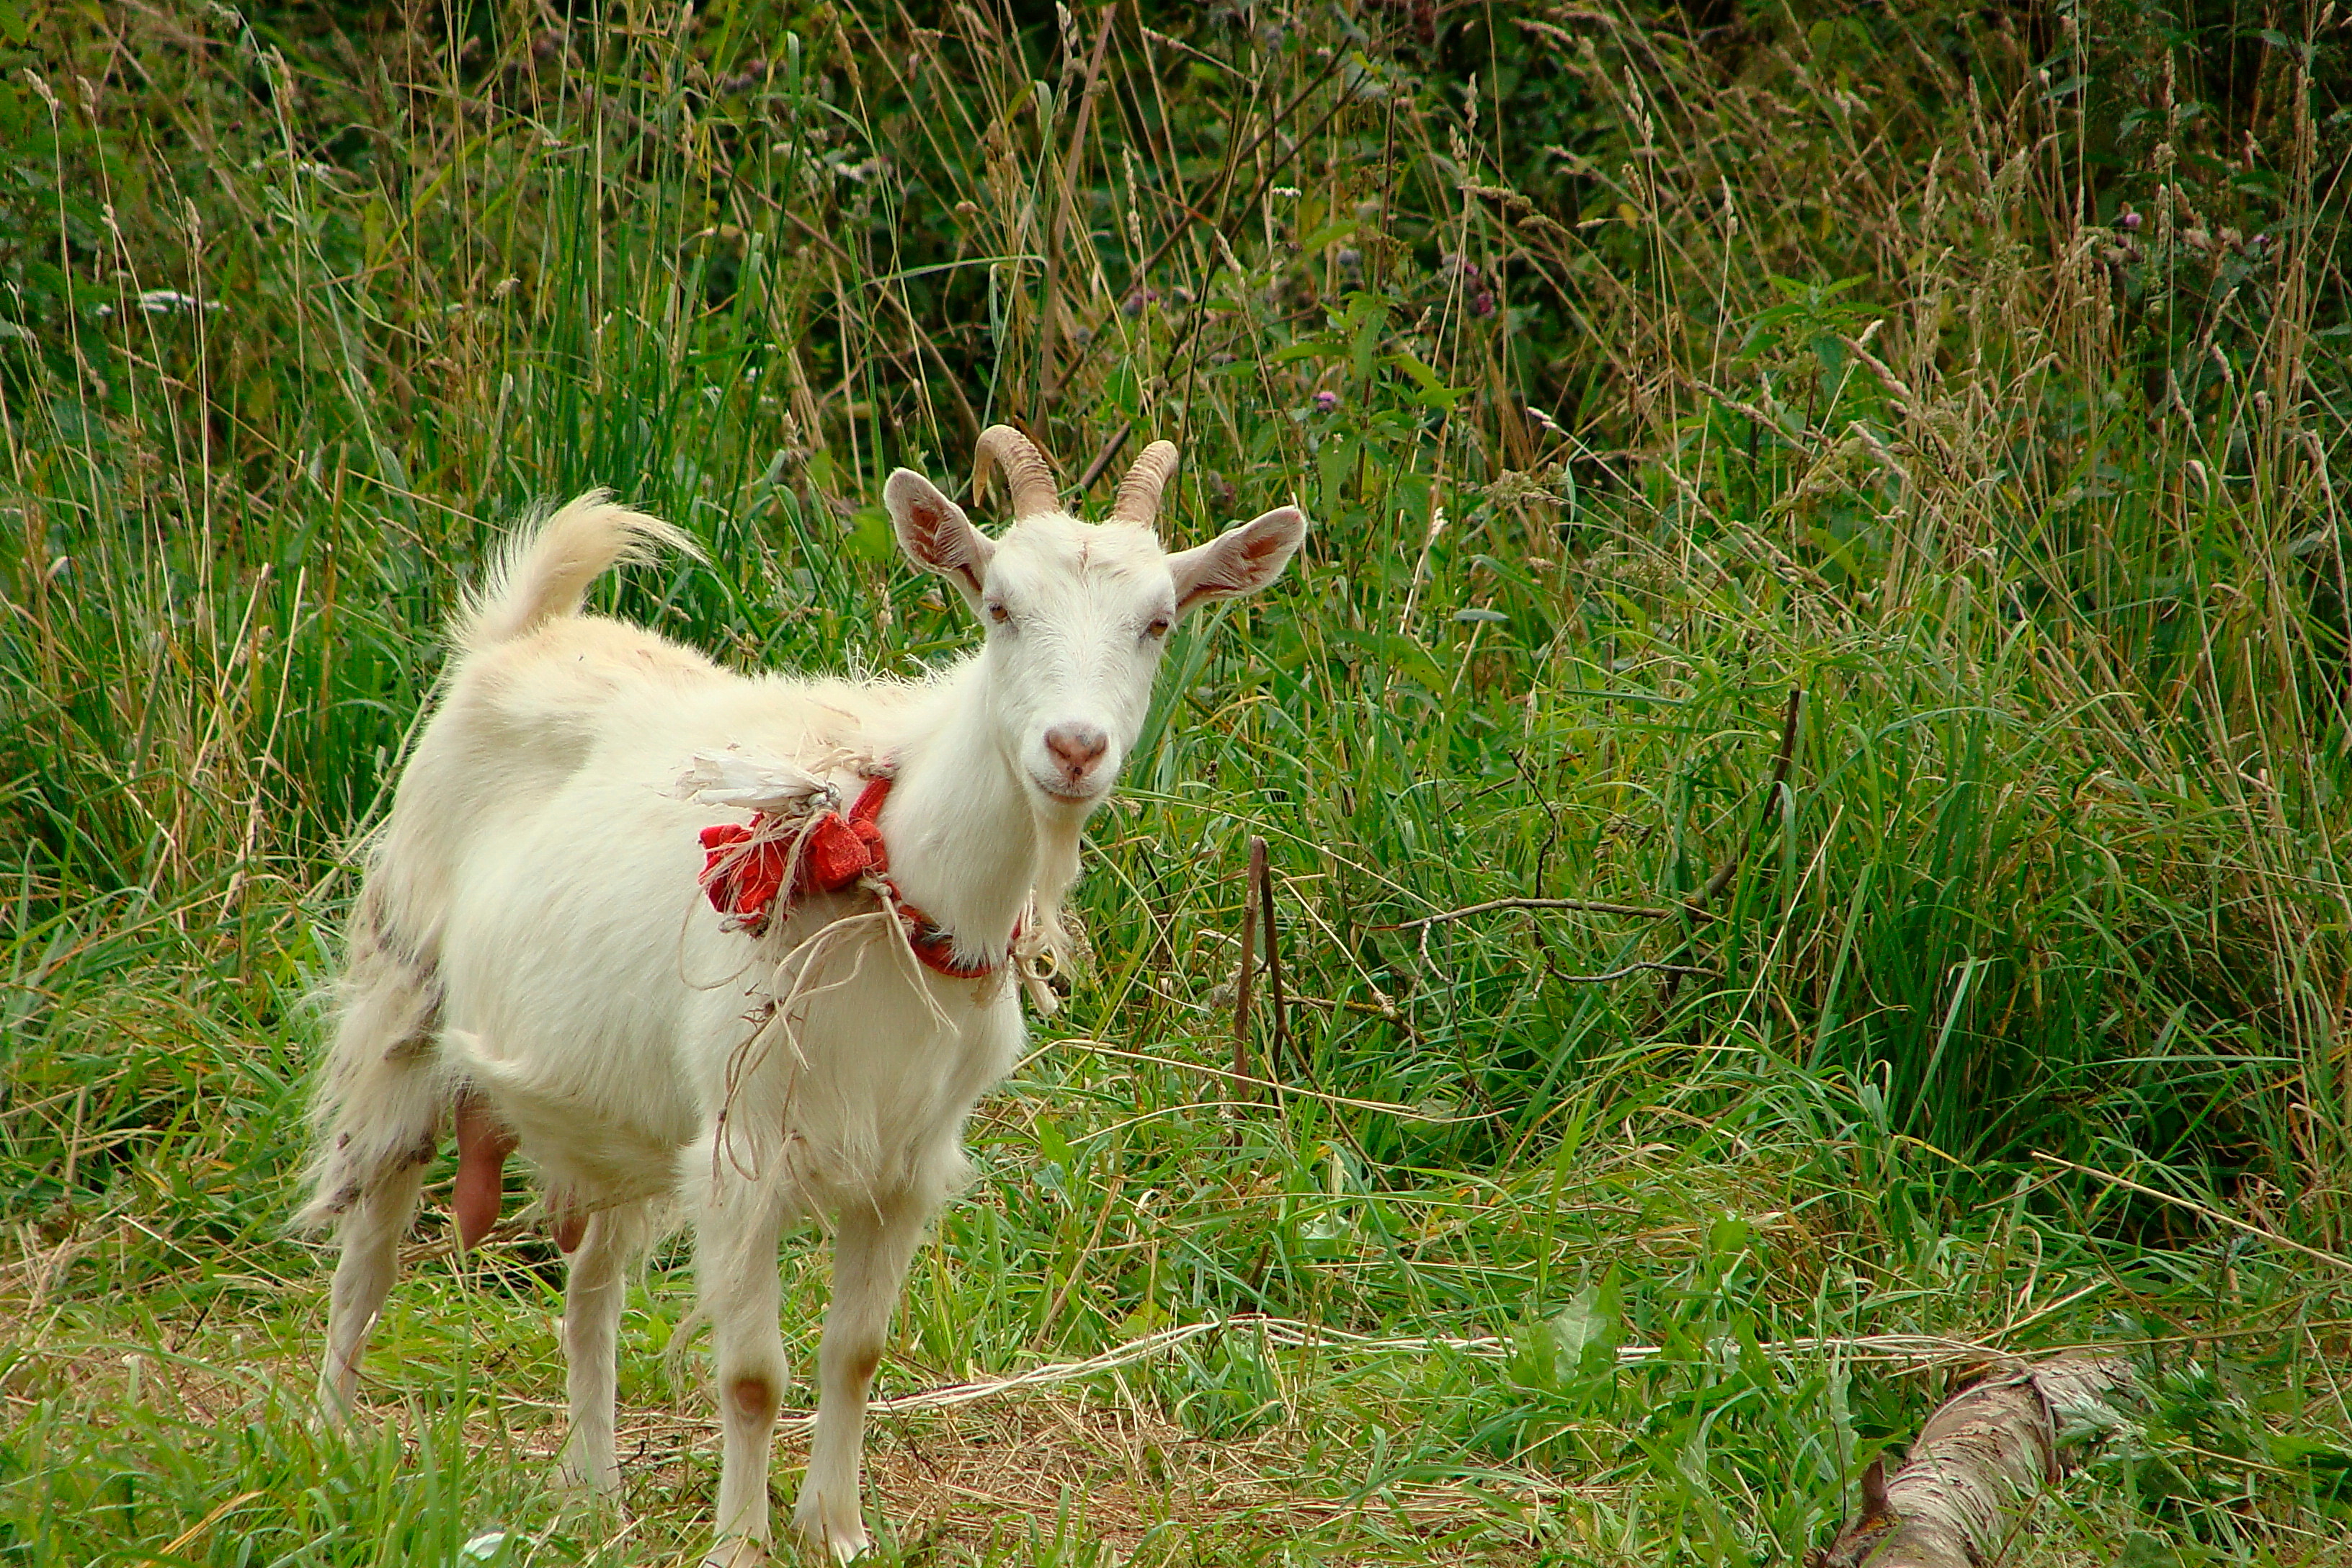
(1249, 962)
(1273, 954)
(1952, 1504)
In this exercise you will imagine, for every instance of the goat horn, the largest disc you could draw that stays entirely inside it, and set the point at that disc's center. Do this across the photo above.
(1138, 493)
(1003, 449)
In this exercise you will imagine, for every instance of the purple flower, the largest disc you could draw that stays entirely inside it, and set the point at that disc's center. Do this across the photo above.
(2130, 221)
(1325, 401)
(1482, 303)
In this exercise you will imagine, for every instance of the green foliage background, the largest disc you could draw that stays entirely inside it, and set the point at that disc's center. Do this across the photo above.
(1977, 372)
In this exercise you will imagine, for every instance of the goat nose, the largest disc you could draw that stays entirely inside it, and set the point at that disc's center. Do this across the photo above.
(1076, 747)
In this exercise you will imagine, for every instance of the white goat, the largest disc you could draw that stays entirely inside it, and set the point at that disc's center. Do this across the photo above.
(535, 955)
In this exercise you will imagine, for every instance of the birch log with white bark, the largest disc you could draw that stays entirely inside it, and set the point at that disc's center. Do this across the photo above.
(1955, 1503)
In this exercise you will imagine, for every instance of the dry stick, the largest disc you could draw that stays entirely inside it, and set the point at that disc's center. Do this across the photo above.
(1264, 885)
(1226, 226)
(1730, 867)
(1249, 962)
(1236, 154)
(1102, 459)
(1232, 163)
(187, 1537)
(1351, 1004)
(1078, 1264)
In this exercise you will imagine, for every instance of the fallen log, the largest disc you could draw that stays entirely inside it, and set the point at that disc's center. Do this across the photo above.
(1954, 1503)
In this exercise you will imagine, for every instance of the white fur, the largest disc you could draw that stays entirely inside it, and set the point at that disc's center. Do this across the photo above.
(531, 933)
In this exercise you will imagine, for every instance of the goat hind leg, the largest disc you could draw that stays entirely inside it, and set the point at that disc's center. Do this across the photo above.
(378, 1110)
(370, 1230)
(872, 1247)
(593, 1297)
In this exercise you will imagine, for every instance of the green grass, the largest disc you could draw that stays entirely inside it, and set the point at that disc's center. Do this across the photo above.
(1931, 366)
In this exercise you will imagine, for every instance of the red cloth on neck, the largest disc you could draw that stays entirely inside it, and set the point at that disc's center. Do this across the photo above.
(836, 852)
(839, 851)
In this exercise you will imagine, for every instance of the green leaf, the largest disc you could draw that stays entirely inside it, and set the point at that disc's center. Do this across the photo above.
(870, 535)
(1330, 233)
(1433, 392)
(1586, 1332)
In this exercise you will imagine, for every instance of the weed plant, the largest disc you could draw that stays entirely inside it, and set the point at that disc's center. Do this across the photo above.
(1975, 376)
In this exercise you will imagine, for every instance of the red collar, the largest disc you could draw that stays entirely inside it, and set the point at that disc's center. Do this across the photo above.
(745, 870)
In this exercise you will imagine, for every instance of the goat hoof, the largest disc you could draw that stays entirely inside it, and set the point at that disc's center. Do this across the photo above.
(740, 1552)
(336, 1415)
(846, 1540)
(586, 1467)
(595, 1483)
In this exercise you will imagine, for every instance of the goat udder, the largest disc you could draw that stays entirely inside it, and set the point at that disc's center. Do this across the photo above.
(483, 1146)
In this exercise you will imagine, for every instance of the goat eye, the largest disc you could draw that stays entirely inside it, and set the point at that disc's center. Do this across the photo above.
(999, 614)
(1158, 628)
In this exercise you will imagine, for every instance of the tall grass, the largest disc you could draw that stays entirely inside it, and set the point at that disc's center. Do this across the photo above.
(1979, 379)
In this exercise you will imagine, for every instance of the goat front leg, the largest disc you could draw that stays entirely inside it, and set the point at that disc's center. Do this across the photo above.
(735, 1269)
(371, 1232)
(872, 1247)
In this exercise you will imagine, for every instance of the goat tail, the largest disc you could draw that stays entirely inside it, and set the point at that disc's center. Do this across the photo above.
(544, 572)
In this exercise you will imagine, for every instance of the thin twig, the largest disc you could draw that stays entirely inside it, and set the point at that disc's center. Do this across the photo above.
(1078, 1264)
(1292, 1333)
(187, 1537)
(1187, 216)
(2333, 1259)
(1724, 873)
(1369, 1009)
(1049, 385)
(1695, 907)
(1273, 954)
(1384, 1107)
(1730, 868)
(1102, 459)
(1588, 906)
(1249, 962)
(1675, 969)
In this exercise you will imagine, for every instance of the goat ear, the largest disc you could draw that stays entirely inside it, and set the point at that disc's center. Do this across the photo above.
(1241, 560)
(935, 533)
